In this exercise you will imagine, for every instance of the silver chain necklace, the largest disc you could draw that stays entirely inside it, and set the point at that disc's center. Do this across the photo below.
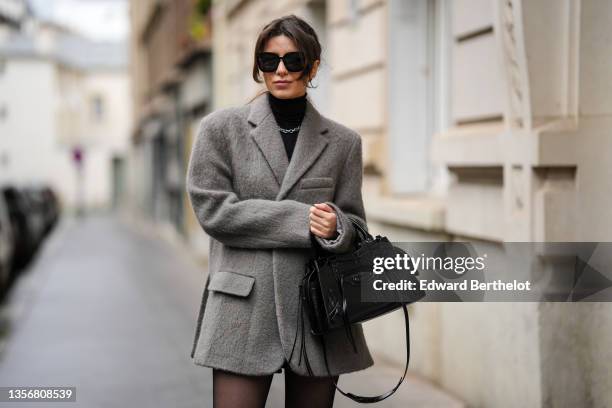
(295, 129)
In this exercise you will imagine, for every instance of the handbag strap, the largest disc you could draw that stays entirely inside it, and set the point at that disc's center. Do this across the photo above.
(300, 327)
(376, 398)
(363, 235)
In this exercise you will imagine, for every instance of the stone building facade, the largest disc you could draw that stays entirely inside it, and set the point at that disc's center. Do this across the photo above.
(172, 90)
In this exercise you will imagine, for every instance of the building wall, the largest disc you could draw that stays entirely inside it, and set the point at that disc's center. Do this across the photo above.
(160, 37)
(107, 132)
(358, 94)
(49, 112)
(170, 67)
(110, 129)
(29, 130)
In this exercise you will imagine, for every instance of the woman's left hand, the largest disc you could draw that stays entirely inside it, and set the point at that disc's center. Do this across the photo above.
(323, 221)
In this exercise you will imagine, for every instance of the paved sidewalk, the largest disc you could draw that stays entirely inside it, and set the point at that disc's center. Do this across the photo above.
(111, 310)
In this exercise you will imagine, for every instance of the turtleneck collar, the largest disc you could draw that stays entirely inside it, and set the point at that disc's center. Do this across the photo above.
(288, 112)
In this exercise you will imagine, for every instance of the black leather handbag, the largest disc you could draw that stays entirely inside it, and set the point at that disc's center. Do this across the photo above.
(331, 292)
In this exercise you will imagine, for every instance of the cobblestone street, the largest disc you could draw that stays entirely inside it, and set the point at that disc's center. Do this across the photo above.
(110, 309)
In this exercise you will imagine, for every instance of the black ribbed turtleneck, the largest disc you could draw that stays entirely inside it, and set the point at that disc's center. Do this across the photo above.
(288, 114)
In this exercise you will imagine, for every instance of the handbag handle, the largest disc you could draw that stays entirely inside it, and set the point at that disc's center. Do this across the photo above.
(360, 228)
(376, 398)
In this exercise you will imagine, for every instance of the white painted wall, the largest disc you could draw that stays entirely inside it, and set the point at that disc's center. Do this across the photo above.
(109, 136)
(110, 133)
(28, 91)
(43, 123)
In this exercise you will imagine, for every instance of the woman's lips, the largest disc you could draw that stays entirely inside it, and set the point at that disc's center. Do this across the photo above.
(282, 84)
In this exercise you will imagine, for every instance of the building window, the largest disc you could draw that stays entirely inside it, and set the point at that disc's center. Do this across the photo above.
(419, 42)
(97, 108)
(353, 11)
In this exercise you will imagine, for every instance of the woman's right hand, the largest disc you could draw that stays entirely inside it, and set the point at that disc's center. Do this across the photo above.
(323, 221)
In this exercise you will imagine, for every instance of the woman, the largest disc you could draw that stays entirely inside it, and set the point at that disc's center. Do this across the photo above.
(263, 179)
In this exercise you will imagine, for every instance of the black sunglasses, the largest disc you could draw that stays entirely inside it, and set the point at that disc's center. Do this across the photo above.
(268, 61)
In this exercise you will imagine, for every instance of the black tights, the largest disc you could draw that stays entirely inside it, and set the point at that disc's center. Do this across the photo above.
(243, 391)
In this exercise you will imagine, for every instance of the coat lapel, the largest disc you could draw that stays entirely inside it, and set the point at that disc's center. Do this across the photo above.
(311, 141)
(266, 135)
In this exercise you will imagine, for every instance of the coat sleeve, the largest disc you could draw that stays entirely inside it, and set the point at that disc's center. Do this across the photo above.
(250, 223)
(348, 202)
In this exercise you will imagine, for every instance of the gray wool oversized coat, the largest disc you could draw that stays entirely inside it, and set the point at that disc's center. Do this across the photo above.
(254, 204)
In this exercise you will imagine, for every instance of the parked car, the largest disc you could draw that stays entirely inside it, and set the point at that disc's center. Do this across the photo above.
(24, 235)
(43, 209)
(7, 246)
(35, 210)
(52, 208)
(31, 213)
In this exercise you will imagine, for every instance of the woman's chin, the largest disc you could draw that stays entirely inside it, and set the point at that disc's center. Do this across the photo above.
(286, 93)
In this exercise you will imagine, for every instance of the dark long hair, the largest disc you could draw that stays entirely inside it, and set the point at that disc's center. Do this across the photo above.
(302, 34)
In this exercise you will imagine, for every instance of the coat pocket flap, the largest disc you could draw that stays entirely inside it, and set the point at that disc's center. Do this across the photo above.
(232, 283)
(317, 182)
